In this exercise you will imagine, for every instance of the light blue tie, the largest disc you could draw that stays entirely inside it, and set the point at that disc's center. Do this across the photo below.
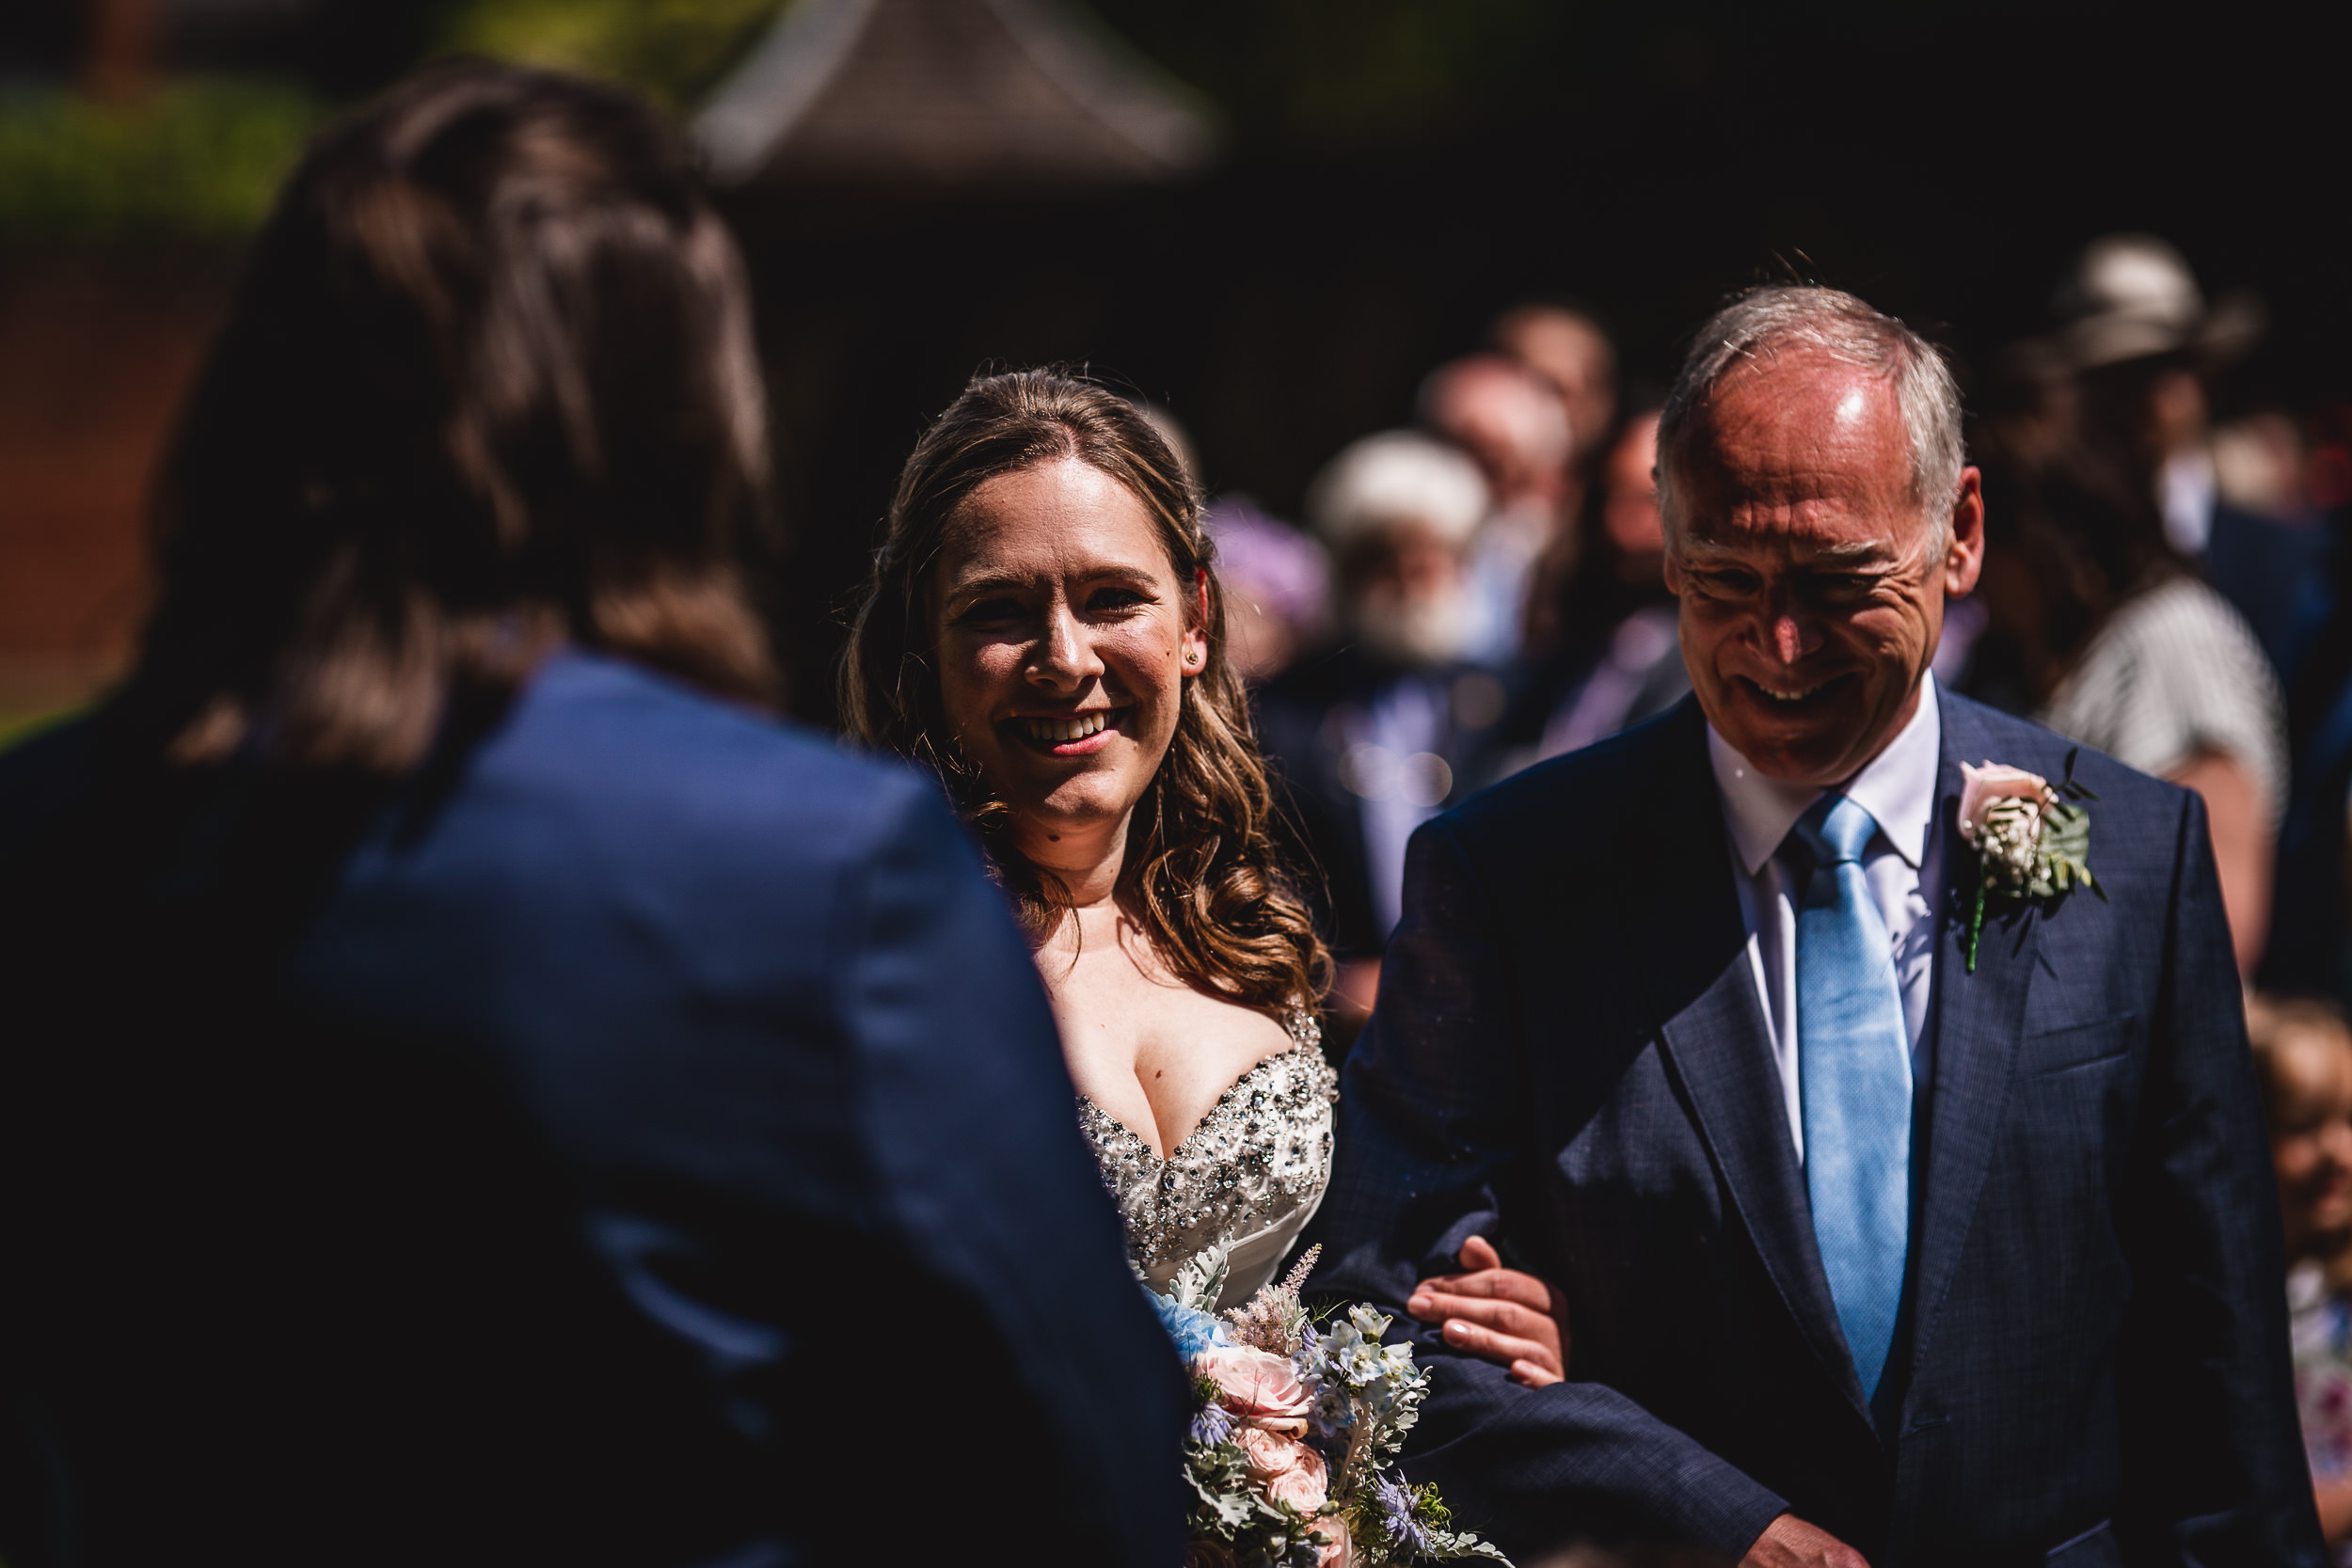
(1853, 1064)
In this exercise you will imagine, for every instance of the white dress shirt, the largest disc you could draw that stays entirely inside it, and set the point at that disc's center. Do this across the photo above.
(1897, 788)
(2188, 487)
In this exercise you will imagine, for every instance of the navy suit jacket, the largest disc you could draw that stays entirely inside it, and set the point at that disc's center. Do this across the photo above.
(2273, 573)
(1296, 723)
(650, 1144)
(1569, 1052)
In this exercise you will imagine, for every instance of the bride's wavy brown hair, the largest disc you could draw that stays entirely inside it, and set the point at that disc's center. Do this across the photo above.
(1203, 878)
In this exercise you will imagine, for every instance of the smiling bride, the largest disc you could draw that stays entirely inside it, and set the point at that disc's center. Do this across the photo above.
(1043, 628)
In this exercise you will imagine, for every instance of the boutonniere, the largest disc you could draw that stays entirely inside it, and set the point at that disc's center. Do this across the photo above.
(2032, 838)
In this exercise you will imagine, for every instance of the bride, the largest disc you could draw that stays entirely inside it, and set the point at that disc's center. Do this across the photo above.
(1042, 627)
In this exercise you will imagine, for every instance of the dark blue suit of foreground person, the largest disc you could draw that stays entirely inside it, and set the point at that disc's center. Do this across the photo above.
(2091, 1366)
(651, 1146)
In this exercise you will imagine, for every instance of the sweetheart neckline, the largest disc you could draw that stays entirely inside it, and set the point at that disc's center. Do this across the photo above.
(1227, 1093)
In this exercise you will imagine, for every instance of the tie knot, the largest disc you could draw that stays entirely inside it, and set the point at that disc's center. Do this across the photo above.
(1835, 829)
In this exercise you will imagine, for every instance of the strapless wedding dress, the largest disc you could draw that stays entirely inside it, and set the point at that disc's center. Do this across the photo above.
(1249, 1178)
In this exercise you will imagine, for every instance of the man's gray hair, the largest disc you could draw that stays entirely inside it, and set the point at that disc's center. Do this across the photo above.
(1782, 317)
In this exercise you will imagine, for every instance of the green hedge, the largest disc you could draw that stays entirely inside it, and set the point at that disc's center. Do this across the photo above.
(673, 50)
(195, 160)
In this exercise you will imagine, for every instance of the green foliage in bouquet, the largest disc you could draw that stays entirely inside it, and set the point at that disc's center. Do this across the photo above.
(1290, 1456)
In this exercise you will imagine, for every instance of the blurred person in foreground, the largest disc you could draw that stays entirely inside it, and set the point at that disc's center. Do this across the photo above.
(2303, 1057)
(1878, 1241)
(1617, 660)
(480, 1089)
(1515, 428)
(1370, 738)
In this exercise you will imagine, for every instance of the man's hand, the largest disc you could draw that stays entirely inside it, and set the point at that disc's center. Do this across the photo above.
(1788, 1542)
(1502, 1315)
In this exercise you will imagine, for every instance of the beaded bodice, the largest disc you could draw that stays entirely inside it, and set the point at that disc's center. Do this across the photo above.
(1259, 1159)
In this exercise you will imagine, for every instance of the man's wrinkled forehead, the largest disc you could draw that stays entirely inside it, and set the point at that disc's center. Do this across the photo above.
(1795, 547)
(1804, 403)
(1799, 445)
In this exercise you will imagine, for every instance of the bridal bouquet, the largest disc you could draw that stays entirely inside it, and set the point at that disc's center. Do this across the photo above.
(1290, 1456)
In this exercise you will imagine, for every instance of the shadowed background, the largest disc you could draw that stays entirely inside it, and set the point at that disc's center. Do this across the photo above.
(1352, 192)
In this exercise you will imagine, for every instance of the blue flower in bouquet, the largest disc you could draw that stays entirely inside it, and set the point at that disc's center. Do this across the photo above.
(1193, 1330)
(1212, 1426)
(1398, 1509)
(1353, 1352)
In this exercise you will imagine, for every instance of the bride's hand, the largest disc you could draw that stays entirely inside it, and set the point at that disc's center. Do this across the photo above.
(1499, 1314)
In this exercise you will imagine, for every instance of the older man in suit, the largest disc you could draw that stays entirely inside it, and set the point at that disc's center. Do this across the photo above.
(1880, 1241)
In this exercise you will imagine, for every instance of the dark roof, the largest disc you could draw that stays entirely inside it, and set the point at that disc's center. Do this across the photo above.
(947, 95)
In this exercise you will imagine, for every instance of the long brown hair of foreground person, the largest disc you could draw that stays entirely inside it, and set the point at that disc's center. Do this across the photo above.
(489, 386)
(1203, 880)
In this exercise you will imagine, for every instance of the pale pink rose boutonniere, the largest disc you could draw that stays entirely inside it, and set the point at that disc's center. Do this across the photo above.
(2032, 838)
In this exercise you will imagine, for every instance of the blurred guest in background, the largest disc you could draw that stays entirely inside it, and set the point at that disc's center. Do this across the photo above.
(2098, 620)
(2303, 1059)
(1616, 659)
(2305, 467)
(461, 1048)
(1571, 350)
(1372, 738)
(1515, 427)
(2311, 945)
(2170, 680)
(1277, 582)
(1278, 588)
(2142, 348)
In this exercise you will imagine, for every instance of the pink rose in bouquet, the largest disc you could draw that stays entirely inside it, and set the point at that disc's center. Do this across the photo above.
(1288, 1469)
(1267, 1494)
(1259, 1387)
(1982, 787)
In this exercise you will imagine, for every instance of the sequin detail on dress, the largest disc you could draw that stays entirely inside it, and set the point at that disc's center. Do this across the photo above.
(1262, 1154)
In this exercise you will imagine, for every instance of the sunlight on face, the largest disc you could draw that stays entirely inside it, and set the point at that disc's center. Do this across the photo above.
(1063, 640)
(1812, 597)
(2311, 1136)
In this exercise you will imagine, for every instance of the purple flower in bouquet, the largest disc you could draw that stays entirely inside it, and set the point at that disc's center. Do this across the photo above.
(1212, 1426)
(1290, 1454)
(1397, 1506)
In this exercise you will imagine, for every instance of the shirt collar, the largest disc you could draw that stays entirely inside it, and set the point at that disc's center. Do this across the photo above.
(1897, 787)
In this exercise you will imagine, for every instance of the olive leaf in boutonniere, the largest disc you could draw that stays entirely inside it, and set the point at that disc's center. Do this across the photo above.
(2032, 838)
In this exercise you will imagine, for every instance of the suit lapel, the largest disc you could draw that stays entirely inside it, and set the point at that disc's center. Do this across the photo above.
(1979, 1020)
(1683, 920)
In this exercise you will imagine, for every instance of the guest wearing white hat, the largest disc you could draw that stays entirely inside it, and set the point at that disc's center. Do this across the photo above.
(1371, 739)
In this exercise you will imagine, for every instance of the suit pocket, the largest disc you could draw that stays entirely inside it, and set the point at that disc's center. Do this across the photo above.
(2093, 1549)
(2079, 1045)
